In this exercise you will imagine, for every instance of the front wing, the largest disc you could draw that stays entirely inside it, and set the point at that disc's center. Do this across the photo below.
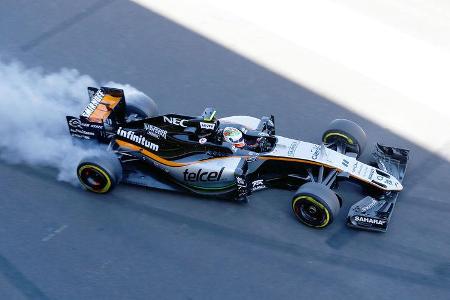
(372, 213)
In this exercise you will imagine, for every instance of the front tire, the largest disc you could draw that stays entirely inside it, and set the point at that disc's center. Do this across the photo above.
(99, 174)
(347, 133)
(315, 205)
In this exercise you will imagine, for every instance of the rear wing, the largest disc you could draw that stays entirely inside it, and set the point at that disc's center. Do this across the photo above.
(106, 108)
(103, 102)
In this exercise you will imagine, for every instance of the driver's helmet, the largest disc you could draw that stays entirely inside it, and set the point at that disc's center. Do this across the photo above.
(234, 136)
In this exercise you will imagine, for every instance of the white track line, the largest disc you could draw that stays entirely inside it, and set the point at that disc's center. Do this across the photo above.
(380, 71)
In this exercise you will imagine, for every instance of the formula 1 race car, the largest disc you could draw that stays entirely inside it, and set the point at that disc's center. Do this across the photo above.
(235, 156)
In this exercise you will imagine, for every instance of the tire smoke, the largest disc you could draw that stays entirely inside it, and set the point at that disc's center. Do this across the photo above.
(33, 128)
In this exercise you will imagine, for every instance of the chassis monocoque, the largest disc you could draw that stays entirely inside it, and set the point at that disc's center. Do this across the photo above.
(185, 153)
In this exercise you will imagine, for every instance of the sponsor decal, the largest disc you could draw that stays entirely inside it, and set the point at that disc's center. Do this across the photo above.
(96, 126)
(209, 126)
(137, 139)
(75, 123)
(108, 122)
(355, 166)
(80, 136)
(251, 159)
(369, 206)
(264, 134)
(316, 152)
(241, 189)
(81, 131)
(155, 132)
(360, 169)
(240, 181)
(175, 121)
(258, 185)
(216, 153)
(95, 100)
(369, 220)
(91, 94)
(345, 162)
(202, 176)
(202, 140)
(241, 186)
(292, 148)
(380, 177)
(244, 130)
(372, 171)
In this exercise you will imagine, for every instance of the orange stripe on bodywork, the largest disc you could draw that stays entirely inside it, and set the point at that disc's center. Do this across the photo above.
(297, 160)
(177, 164)
(163, 160)
(149, 154)
(104, 109)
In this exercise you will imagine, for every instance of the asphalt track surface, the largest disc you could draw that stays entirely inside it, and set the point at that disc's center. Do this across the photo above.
(60, 242)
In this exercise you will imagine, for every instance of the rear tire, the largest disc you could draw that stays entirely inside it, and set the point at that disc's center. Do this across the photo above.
(99, 174)
(347, 132)
(315, 205)
(140, 106)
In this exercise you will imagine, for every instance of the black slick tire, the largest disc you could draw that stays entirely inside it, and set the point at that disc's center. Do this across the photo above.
(347, 132)
(315, 205)
(99, 174)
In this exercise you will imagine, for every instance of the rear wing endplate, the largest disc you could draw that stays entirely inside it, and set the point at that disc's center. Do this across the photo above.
(106, 107)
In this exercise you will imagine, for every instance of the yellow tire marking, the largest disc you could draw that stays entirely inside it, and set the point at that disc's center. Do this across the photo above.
(315, 202)
(108, 178)
(349, 140)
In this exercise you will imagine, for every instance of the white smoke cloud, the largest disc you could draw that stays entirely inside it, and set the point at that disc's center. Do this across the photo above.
(131, 93)
(33, 128)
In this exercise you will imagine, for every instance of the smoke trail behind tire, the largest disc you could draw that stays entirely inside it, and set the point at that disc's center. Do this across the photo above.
(33, 127)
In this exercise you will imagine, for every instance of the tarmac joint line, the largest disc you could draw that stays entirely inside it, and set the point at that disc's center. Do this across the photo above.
(64, 25)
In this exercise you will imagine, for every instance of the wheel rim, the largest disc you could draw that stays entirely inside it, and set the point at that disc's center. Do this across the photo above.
(94, 179)
(310, 211)
(336, 135)
(334, 140)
